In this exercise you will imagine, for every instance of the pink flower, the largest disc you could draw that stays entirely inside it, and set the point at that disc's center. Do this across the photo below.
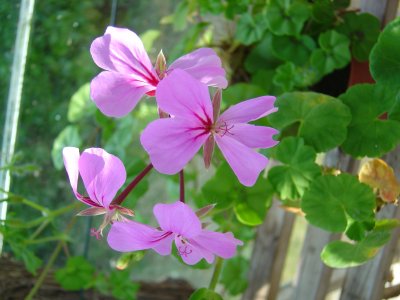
(103, 174)
(172, 142)
(129, 73)
(178, 222)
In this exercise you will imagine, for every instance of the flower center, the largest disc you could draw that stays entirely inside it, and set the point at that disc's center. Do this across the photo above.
(184, 249)
(221, 128)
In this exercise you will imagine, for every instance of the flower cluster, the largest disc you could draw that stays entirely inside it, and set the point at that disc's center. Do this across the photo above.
(190, 120)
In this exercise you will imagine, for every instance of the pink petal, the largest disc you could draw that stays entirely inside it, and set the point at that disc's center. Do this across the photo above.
(178, 218)
(249, 110)
(171, 143)
(133, 236)
(191, 253)
(121, 50)
(204, 65)
(253, 136)
(245, 162)
(221, 244)
(181, 95)
(116, 94)
(102, 173)
(71, 158)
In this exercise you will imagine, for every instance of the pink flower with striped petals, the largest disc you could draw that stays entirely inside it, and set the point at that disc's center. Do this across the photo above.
(178, 223)
(172, 142)
(129, 74)
(103, 175)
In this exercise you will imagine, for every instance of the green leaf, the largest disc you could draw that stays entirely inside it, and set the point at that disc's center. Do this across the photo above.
(69, 137)
(262, 55)
(369, 134)
(292, 179)
(250, 29)
(77, 274)
(148, 38)
(80, 105)
(286, 17)
(250, 204)
(363, 31)
(385, 56)
(319, 119)
(234, 275)
(338, 4)
(293, 49)
(334, 52)
(339, 254)
(205, 294)
(122, 286)
(121, 136)
(285, 77)
(334, 202)
(323, 11)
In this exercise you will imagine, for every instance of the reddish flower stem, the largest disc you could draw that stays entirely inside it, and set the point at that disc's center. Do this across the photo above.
(181, 186)
(121, 197)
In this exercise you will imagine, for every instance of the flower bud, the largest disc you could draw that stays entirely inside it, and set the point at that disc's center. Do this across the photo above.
(161, 65)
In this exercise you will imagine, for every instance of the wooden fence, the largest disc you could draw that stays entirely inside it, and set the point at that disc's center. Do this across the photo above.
(312, 280)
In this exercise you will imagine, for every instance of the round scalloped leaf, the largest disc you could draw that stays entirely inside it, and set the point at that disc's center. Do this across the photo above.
(323, 12)
(319, 119)
(385, 56)
(293, 49)
(333, 54)
(339, 254)
(250, 29)
(368, 133)
(363, 31)
(287, 17)
(334, 202)
(299, 168)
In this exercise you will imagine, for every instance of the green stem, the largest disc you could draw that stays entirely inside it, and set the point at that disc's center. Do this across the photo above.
(43, 275)
(217, 272)
(49, 264)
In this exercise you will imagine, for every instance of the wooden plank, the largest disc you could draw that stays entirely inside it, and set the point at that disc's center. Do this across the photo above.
(269, 254)
(313, 276)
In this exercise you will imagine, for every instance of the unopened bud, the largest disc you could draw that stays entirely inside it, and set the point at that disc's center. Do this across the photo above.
(208, 150)
(216, 102)
(161, 65)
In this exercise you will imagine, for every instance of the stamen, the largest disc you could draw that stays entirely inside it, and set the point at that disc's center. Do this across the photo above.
(184, 250)
(223, 128)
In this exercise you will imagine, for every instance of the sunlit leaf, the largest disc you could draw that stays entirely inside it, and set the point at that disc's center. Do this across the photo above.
(368, 134)
(334, 202)
(80, 105)
(339, 254)
(299, 168)
(385, 56)
(69, 137)
(319, 119)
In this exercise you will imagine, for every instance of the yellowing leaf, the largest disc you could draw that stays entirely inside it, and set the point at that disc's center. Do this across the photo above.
(377, 174)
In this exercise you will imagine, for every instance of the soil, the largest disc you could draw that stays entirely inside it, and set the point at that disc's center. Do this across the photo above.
(16, 282)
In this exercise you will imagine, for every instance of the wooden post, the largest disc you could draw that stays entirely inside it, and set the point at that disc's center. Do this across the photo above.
(269, 253)
(14, 100)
